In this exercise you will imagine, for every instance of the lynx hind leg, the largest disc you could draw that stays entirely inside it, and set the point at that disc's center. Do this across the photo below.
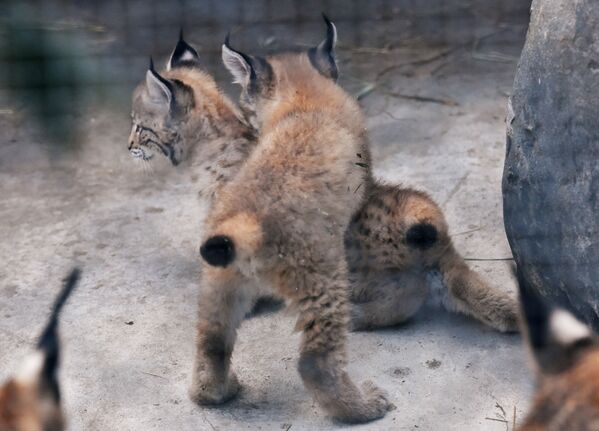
(225, 299)
(323, 321)
(386, 299)
(467, 292)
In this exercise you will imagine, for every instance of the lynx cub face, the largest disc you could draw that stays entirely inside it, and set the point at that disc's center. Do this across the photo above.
(160, 110)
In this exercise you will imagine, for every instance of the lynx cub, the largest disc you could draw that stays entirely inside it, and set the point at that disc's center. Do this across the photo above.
(30, 401)
(281, 222)
(566, 354)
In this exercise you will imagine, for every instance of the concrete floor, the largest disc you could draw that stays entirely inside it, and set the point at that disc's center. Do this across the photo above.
(128, 331)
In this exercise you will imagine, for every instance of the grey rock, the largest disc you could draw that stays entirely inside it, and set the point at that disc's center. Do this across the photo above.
(551, 172)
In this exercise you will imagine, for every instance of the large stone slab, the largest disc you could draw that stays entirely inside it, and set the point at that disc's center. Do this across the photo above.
(551, 173)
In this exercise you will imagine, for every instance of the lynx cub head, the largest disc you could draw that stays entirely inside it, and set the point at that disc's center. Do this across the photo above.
(161, 107)
(30, 400)
(266, 81)
(566, 355)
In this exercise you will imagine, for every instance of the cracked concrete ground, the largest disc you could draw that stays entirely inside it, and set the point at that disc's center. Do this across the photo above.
(436, 122)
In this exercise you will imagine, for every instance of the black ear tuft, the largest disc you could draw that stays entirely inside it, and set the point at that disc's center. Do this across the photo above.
(218, 250)
(536, 313)
(49, 342)
(159, 89)
(556, 337)
(184, 55)
(422, 236)
(322, 56)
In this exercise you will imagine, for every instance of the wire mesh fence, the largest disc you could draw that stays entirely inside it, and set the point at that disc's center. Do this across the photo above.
(57, 57)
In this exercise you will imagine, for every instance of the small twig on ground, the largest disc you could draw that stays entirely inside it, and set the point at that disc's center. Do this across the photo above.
(496, 420)
(455, 189)
(507, 424)
(418, 62)
(154, 375)
(467, 231)
(365, 91)
(491, 259)
(501, 409)
(447, 102)
(495, 57)
(514, 420)
(366, 49)
(208, 422)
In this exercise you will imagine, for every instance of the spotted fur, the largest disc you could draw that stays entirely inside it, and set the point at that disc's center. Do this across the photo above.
(394, 244)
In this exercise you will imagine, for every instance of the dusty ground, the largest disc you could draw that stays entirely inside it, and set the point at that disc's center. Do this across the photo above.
(129, 329)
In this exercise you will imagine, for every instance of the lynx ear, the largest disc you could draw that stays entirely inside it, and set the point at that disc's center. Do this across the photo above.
(322, 56)
(555, 336)
(239, 64)
(159, 89)
(248, 71)
(184, 55)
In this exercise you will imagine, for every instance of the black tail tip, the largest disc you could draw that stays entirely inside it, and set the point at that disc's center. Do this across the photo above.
(422, 236)
(218, 251)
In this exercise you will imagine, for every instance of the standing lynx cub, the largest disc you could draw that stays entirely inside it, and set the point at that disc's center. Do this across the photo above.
(392, 243)
(281, 221)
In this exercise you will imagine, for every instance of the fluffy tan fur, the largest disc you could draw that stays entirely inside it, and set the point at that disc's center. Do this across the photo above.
(388, 277)
(300, 185)
(23, 408)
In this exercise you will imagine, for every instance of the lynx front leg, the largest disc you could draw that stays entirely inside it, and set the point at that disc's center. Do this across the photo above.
(469, 293)
(323, 320)
(223, 305)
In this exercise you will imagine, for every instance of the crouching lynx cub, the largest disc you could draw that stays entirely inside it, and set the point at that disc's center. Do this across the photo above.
(394, 243)
(30, 401)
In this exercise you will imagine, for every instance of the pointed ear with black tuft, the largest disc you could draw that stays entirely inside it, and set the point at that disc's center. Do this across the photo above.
(49, 343)
(322, 56)
(159, 90)
(251, 72)
(556, 338)
(184, 55)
